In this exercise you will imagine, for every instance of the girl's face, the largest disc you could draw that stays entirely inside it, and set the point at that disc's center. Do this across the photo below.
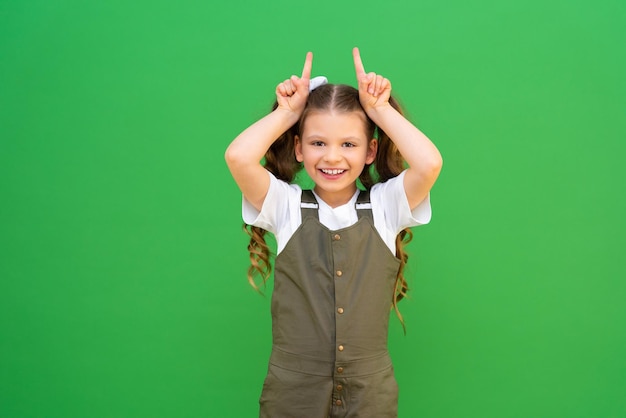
(334, 149)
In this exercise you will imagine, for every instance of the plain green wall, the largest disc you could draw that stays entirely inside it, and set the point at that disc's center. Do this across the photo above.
(122, 272)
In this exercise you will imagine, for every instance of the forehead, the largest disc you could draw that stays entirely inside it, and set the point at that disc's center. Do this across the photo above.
(335, 124)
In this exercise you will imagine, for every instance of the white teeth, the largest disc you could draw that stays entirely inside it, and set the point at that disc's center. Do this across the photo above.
(332, 172)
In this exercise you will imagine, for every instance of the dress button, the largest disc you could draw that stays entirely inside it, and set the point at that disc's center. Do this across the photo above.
(339, 388)
(340, 310)
(338, 402)
(340, 348)
(339, 273)
(339, 369)
(337, 237)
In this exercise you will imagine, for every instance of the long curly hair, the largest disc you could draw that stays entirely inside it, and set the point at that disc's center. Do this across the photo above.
(280, 161)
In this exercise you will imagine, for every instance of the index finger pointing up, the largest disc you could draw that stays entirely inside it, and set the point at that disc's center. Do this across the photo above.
(308, 63)
(358, 64)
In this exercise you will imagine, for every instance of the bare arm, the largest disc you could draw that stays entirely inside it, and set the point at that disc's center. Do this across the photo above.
(244, 154)
(419, 152)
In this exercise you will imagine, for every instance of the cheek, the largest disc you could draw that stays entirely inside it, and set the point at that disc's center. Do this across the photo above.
(311, 152)
(359, 154)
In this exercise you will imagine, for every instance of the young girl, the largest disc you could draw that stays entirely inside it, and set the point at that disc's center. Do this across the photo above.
(338, 271)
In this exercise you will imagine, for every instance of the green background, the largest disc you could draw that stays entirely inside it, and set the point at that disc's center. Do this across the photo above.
(122, 273)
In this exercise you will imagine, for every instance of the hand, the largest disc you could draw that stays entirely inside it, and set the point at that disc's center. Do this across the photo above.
(374, 89)
(292, 93)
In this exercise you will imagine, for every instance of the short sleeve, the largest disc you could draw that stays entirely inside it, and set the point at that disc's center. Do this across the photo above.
(280, 213)
(391, 207)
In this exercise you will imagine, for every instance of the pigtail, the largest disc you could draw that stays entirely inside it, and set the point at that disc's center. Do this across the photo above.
(281, 162)
(259, 255)
(388, 164)
(401, 286)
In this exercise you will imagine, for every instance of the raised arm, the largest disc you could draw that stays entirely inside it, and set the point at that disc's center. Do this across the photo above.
(419, 152)
(244, 154)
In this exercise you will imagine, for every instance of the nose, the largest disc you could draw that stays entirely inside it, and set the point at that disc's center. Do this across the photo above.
(333, 154)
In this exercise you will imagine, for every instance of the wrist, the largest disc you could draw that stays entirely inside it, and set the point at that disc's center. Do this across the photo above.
(288, 115)
(377, 113)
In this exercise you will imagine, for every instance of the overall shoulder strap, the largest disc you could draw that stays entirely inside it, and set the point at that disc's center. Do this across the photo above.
(308, 204)
(363, 205)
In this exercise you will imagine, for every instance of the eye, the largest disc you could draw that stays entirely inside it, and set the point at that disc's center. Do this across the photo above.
(349, 144)
(317, 143)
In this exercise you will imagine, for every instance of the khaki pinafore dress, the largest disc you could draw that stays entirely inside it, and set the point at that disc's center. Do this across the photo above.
(330, 314)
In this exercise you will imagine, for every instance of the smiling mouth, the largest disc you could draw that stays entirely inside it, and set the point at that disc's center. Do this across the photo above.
(332, 172)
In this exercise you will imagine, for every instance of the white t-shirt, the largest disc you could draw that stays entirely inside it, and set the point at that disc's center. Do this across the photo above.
(281, 214)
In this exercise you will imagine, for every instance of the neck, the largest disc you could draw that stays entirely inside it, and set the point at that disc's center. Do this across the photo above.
(335, 199)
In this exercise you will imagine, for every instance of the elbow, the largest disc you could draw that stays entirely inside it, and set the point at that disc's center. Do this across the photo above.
(434, 165)
(231, 156)
(431, 169)
(427, 169)
(439, 164)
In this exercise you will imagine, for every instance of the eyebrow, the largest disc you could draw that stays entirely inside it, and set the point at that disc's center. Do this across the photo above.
(315, 136)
